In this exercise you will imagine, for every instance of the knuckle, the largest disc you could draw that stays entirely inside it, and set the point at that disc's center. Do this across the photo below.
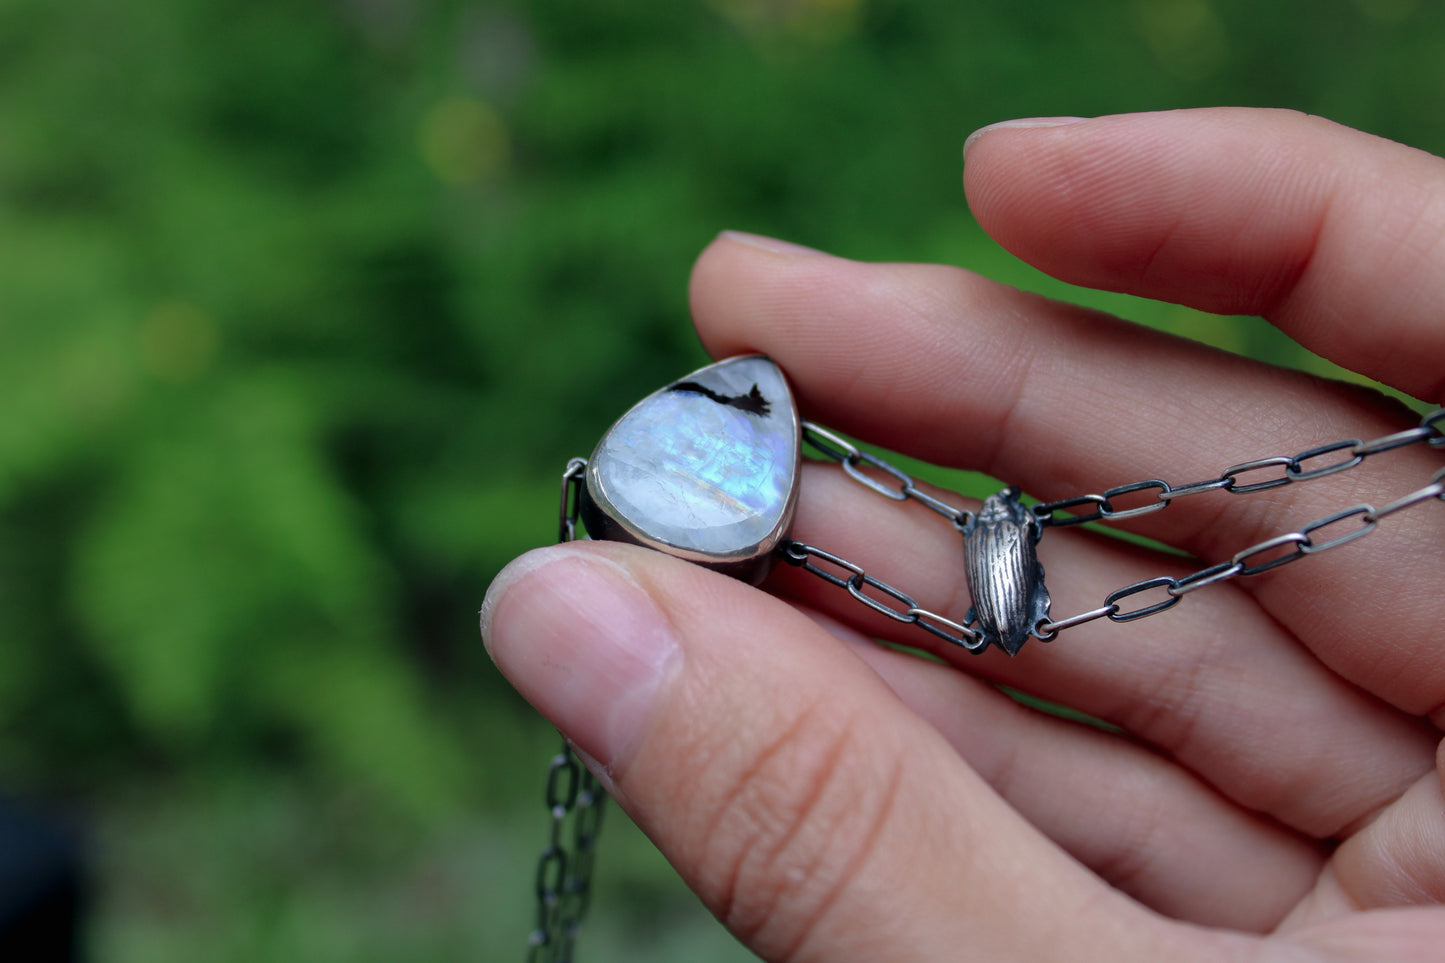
(777, 846)
(1128, 864)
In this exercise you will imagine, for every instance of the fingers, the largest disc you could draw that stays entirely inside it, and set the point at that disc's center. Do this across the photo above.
(812, 812)
(1334, 235)
(1399, 858)
(1412, 935)
(1215, 683)
(1141, 822)
(952, 368)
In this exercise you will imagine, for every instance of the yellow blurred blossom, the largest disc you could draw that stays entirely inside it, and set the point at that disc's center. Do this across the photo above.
(463, 140)
(178, 342)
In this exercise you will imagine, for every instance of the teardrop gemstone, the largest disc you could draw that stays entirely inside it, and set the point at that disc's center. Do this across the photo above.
(705, 469)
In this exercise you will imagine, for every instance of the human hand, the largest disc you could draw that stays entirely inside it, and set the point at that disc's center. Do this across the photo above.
(1274, 789)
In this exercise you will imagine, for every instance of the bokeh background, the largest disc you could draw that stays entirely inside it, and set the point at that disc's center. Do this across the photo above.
(305, 303)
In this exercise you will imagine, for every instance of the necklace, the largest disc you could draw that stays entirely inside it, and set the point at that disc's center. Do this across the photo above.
(707, 469)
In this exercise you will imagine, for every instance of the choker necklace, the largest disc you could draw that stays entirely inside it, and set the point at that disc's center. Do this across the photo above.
(707, 469)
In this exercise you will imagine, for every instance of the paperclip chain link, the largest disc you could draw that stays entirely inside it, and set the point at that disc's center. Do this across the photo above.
(853, 458)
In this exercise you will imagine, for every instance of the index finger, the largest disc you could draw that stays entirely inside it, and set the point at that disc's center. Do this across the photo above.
(1334, 235)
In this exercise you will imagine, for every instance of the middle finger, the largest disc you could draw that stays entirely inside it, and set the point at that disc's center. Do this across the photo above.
(1216, 684)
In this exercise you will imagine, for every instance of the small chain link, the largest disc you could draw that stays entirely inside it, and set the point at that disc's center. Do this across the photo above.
(575, 803)
(851, 457)
(571, 488)
(1159, 593)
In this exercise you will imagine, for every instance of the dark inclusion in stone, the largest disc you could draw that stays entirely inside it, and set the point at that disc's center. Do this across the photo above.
(753, 401)
(705, 469)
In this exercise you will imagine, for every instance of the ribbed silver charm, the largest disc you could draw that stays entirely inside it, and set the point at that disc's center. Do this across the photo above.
(1003, 572)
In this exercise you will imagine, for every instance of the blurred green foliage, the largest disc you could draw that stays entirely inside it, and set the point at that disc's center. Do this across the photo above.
(306, 303)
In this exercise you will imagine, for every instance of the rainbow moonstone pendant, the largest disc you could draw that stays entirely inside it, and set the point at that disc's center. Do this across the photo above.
(705, 469)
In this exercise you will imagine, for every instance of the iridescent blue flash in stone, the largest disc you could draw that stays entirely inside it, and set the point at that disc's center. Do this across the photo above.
(705, 469)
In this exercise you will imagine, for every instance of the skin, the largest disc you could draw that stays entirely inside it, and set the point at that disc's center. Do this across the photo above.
(1273, 789)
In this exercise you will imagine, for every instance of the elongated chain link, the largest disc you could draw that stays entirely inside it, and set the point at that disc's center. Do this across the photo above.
(853, 458)
(568, 509)
(1259, 475)
(575, 803)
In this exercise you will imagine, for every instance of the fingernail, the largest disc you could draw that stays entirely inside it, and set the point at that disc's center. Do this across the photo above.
(770, 244)
(583, 643)
(1019, 123)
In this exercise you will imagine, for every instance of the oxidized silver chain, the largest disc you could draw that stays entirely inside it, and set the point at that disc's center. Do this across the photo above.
(575, 803)
(1321, 535)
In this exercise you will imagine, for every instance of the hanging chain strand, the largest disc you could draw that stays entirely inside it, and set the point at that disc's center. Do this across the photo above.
(575, 803)
(1259, 475)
